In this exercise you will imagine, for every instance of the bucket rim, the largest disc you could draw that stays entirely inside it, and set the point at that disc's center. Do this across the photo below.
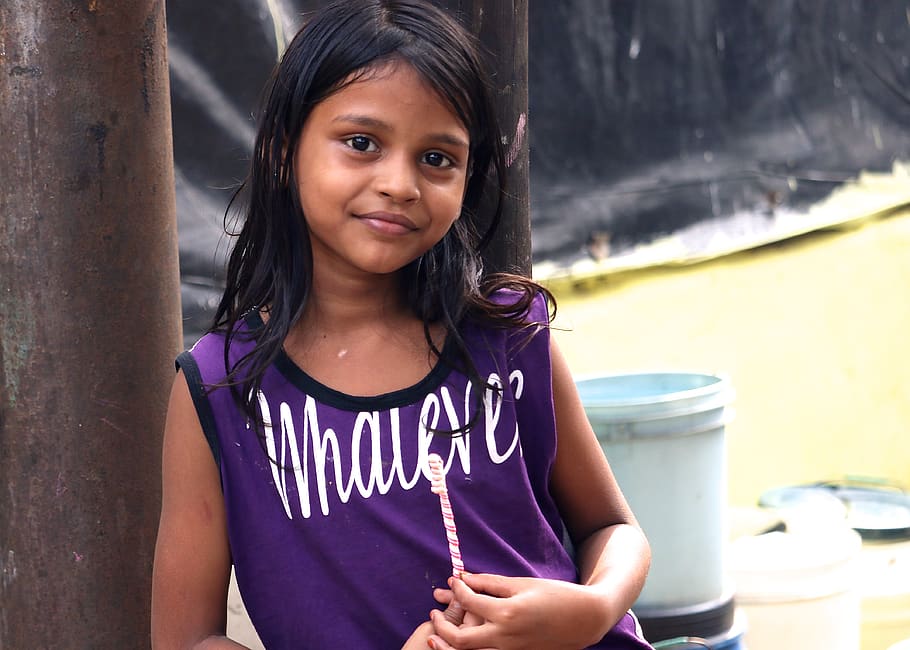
(721, 385)
(622, 433)
(601, 412)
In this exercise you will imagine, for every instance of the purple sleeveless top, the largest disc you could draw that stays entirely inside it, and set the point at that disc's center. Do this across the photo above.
(337, 540)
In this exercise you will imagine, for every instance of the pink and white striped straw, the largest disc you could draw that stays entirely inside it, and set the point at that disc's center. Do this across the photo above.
(438, 486)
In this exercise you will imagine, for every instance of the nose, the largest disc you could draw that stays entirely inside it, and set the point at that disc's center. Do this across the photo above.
(397, 179)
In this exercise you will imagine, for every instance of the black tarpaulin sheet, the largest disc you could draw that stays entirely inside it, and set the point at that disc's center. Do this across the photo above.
(645, 116)
(650, 116)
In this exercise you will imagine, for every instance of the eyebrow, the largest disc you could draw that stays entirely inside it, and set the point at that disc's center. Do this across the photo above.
(373, 123)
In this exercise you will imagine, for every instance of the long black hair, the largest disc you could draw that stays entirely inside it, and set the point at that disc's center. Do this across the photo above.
(271, 263)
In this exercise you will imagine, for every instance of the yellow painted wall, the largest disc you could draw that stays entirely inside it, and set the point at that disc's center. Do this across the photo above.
(814, 333)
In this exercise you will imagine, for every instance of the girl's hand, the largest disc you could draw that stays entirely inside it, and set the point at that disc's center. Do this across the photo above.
(419, 640)
(525, 613)
(454, 614)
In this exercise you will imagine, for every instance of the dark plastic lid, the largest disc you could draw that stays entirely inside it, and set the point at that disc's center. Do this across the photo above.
(877, 510)
(876, 513)
(702, 620)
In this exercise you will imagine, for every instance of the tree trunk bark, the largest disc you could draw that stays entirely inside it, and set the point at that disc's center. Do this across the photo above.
(90, 315)
(502, 27)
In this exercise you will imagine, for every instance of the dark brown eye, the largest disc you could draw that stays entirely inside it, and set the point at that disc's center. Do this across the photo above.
(436, 159)
(361, 143)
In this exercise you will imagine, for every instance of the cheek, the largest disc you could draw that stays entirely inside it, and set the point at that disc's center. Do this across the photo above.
(455, 200)
(450, 210)
(319, 188)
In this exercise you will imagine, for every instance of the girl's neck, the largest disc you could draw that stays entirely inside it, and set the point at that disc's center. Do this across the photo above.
(343, 303)
(362, 340)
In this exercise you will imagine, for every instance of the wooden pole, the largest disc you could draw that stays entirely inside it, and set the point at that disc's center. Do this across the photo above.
(90, 317)
(502, 26)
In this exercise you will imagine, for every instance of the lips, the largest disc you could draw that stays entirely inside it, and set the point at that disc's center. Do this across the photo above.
(390, 222)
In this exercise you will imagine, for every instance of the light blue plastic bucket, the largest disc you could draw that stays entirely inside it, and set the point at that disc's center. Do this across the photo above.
(664, 435)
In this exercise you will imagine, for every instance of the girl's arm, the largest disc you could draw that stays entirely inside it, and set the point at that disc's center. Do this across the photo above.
(192, 557)
(612, 554)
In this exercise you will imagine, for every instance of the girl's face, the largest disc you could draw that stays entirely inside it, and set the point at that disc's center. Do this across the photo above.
(380, 167)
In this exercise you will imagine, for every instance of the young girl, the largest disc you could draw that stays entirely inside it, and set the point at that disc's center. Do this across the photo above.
(355, 337)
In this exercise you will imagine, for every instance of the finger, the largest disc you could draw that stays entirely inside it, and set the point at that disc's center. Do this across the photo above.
(436, 642)
(470, 618)
(479, 636)
(443, 596)
(491, 584)
(442, 624)
(481, 604)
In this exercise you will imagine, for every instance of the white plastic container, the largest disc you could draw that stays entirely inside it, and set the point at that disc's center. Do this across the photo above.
(880, 511)
(664, 435)
(798, 590)
(884, 587)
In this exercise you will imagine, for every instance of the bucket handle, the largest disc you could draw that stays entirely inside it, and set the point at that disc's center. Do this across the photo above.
(852, 481)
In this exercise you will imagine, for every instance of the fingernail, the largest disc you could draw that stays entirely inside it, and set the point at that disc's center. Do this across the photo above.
(432, 644)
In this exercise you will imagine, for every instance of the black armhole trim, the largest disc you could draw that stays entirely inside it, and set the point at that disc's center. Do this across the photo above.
(187, 363)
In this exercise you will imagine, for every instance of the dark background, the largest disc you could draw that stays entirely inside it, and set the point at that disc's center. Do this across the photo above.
(644, 117)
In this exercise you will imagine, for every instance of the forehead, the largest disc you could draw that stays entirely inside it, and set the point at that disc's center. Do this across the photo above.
(392, 85)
